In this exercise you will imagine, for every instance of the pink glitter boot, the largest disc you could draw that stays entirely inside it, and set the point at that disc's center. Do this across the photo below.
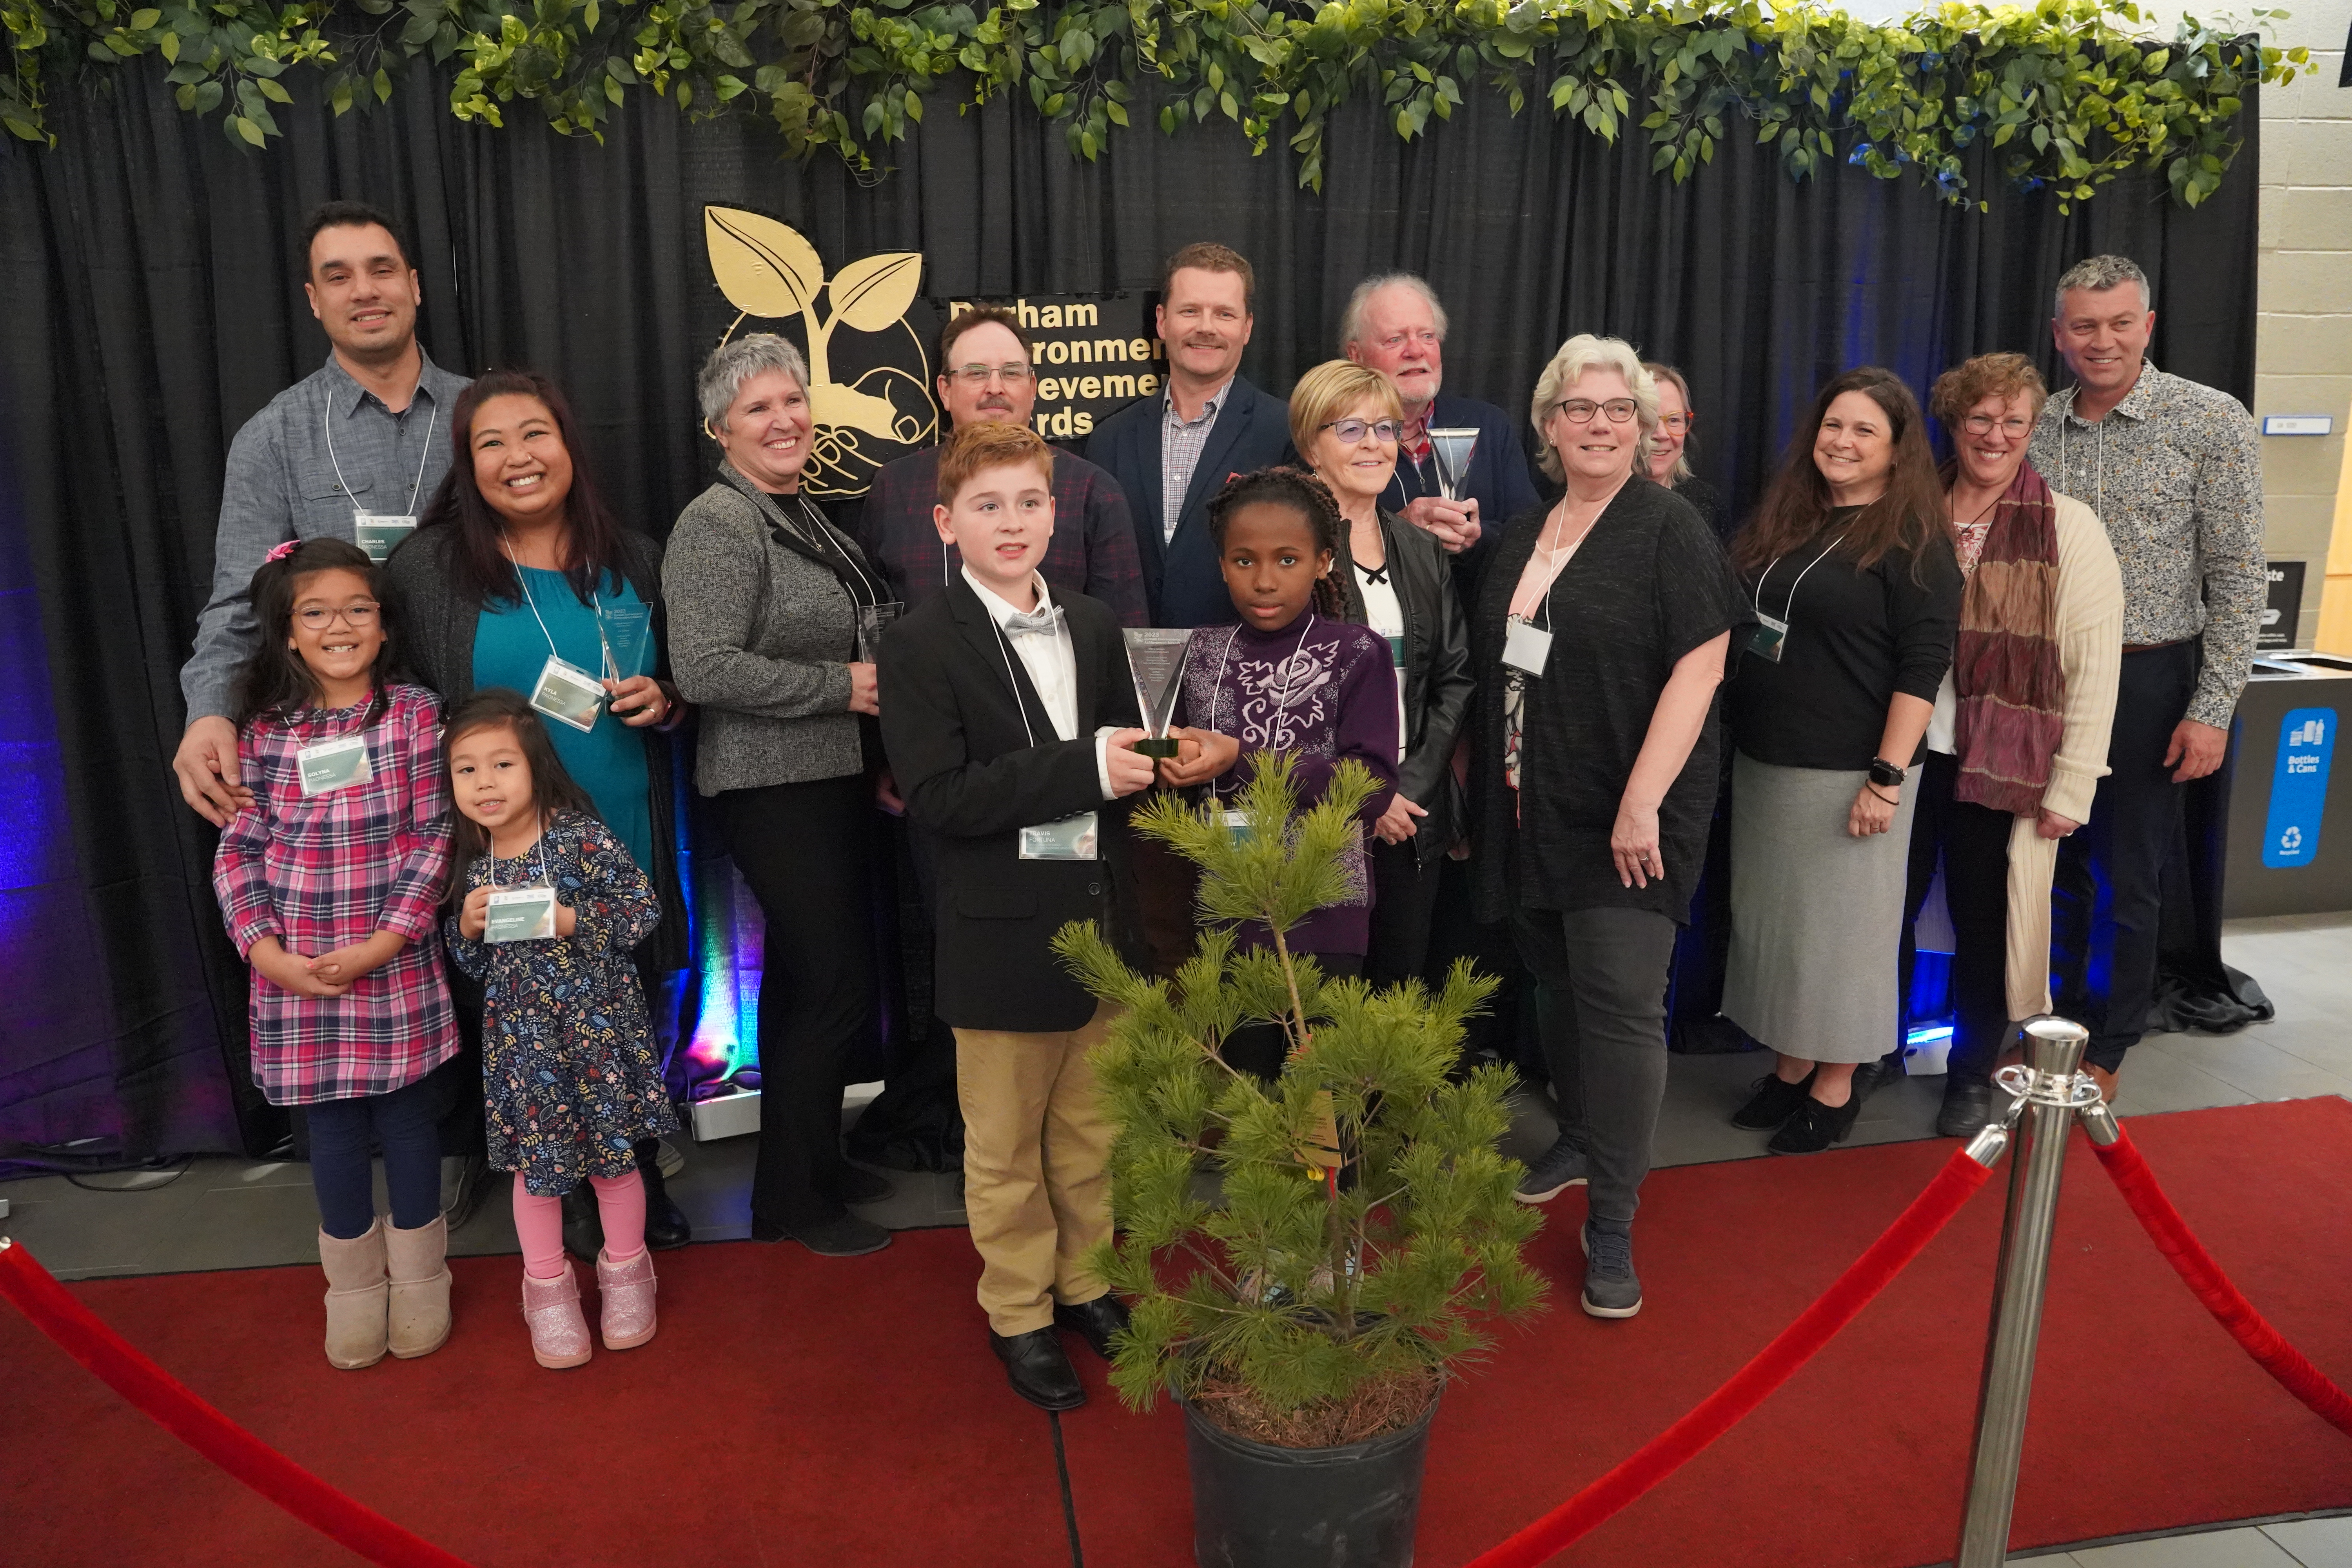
(628, 1291)
(559, 1334)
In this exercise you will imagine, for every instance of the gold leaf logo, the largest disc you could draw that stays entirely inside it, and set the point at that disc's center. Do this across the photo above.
(766, 268)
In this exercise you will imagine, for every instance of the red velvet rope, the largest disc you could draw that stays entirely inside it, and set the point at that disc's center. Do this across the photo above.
(2229, 1306)
(1773, 1366)
(54, 1310)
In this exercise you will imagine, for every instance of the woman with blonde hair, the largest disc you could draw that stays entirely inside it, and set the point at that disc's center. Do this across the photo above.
(2018, 741)
(1670, 449)
(1599, 642)
(1394, 578)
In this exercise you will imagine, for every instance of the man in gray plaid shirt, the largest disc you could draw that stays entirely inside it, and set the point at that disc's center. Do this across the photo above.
(365, 437)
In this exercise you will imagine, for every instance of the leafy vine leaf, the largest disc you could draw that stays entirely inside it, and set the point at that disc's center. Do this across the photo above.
(2062, 95)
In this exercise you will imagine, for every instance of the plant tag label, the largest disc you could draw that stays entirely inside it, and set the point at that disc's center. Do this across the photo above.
(520, 914)
(1321, 1150)
(334, 764)
(378, 532)
(1075, 837)
(567, 694)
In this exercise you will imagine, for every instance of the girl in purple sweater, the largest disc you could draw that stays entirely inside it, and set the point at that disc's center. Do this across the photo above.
(1294, 676)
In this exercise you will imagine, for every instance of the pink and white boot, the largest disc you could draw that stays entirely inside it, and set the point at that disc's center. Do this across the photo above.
(559, 1334)
(628, 1288)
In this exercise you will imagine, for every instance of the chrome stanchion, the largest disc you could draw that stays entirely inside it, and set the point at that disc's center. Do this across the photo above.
(2050, 1092)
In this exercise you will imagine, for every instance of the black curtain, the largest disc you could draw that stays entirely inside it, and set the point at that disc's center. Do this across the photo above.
(154, 303)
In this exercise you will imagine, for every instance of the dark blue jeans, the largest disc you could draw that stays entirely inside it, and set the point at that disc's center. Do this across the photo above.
(404, 1123)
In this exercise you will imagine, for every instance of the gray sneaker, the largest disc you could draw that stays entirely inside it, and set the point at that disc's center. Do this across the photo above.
(1611, 1290)
(1553, 1172)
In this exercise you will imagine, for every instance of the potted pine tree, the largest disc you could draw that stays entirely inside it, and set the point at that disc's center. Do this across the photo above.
(1310, 1259)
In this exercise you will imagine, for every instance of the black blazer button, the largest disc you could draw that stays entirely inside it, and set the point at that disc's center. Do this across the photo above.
(1094, 889)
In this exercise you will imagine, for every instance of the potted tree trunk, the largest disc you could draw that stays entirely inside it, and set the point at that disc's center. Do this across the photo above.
(1309, 1257)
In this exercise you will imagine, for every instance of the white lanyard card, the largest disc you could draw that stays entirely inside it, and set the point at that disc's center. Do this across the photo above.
(379, 532)
(1526, 647)
(334, 764)
(567, 694)
(520, 914)
(1075, 837)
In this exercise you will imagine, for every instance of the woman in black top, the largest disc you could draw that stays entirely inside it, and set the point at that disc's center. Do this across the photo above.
(1393, 578)
(1857, 598)
(1669, 450)
(1599, 642)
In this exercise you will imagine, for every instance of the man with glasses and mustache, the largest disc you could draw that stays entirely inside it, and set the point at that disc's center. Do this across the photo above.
(985, 375)
(1394, 324)
(1174, 452)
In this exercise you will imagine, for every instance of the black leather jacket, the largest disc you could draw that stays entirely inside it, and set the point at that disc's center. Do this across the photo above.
(1437, 679)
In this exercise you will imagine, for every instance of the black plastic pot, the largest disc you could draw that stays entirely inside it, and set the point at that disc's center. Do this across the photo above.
(1256, 1506)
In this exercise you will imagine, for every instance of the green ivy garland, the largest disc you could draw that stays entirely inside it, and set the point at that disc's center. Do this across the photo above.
(2069, 96)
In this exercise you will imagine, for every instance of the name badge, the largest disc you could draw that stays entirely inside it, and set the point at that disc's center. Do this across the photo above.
(1075, 837)
(1396, 649)
(377, 532)
(520, 914)
(1238, 827)
(334, 764)
(1526, 647)
(567, 694)
(1770, 638)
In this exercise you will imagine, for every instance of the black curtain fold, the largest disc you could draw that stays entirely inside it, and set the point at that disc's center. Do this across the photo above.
(154, 303)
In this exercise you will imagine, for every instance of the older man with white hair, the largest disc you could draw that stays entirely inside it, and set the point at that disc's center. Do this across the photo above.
(1395, 324)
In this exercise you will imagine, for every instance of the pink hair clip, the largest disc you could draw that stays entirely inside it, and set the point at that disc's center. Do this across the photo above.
(280, 552)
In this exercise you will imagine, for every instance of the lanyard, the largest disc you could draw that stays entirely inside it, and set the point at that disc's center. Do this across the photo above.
(809, 514)
(523, 577)
(539, 843)
(1788, 609)
(327, 406)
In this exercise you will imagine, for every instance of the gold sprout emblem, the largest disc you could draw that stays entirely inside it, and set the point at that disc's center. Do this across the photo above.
(767, 269)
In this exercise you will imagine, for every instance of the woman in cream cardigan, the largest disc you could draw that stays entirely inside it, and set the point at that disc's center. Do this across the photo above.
(2019, 739)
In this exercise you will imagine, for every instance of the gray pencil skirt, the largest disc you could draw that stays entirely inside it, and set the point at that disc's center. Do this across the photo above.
(1816, 914)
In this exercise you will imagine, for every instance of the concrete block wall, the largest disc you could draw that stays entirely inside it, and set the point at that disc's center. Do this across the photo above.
(2304, 316)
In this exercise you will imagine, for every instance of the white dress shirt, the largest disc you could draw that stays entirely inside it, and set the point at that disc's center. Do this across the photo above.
(1053, 667)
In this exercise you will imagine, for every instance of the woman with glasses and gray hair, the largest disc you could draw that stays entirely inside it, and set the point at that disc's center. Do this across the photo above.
(770, 612)
(1394, 578)
(2018, 741)
(1599, 642)
(1669, 448)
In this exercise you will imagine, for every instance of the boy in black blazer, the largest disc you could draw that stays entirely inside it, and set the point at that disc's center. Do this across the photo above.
(1003, 716)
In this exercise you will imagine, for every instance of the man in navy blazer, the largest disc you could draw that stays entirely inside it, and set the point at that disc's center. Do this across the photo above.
(1395, 324)
(1172, 453)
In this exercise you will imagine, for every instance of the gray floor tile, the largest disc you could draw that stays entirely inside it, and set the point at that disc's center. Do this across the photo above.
(228, 1228)
(2216, 1549)
(2315, 1542)
(2156, 1081)
(2250, 1061)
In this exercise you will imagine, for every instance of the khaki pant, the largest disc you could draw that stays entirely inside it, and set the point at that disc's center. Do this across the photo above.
(1036, 1188)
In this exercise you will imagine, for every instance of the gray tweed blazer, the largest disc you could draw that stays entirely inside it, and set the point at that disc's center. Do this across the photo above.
(760, 637)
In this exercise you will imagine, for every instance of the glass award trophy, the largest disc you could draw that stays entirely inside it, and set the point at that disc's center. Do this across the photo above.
(873, 620)
(628, 633)
(1156, 654)
(1449, 449)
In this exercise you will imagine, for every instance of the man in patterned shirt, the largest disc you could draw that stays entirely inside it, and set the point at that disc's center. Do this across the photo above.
(2174, 472)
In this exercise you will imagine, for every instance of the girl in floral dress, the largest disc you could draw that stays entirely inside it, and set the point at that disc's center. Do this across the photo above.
(569, 1070)
(329, 879)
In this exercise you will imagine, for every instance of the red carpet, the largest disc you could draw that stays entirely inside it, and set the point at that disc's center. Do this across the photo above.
(799, 1411)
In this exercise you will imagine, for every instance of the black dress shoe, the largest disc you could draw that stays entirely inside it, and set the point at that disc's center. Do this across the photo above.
(583, 1227)
(1039, 1369)
(1815, 1127)
(1871, 1077)
(1094, 1321)
(1774, 1101)
(1967, 1107)
(666, 1225)
(859, 1185)
(847, 1237)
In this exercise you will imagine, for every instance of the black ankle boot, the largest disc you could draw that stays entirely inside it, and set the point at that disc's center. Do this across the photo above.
(1816, 1126)
(665, 1223)
(1775, 1101)
(583, 1227)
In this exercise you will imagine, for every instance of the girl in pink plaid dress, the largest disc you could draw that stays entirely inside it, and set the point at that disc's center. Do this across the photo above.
(329, 878)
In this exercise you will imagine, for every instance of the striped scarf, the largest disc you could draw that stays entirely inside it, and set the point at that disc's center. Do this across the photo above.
(2012, 691)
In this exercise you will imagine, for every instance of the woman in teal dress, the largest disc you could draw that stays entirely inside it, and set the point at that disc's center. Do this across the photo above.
(519, 576)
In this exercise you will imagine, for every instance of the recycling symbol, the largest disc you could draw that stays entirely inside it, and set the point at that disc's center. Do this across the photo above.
(2292, 839)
